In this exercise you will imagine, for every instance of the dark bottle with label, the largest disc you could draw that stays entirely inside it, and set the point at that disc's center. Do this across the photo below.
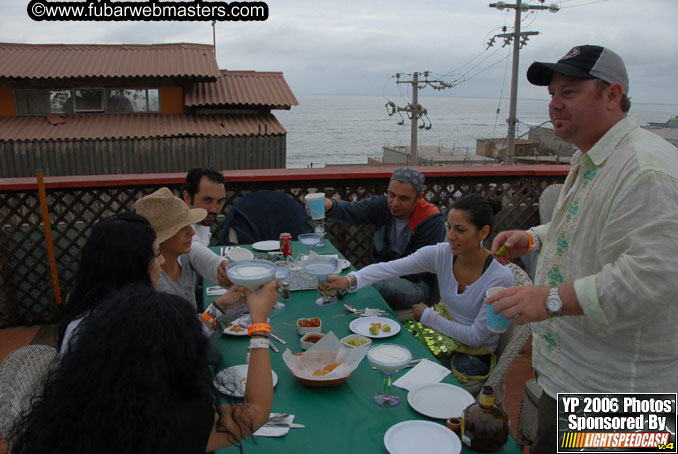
(484, 425)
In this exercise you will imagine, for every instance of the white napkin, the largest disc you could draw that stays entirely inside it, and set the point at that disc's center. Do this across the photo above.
(371, 312)
(216, 290)
(268, 431)
(424, 373)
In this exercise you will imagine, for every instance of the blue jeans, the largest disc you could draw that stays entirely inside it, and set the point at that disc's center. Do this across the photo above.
(472, 365)
(400, 293)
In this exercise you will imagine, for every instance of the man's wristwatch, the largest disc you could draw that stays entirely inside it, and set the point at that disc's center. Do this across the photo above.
(554, 305)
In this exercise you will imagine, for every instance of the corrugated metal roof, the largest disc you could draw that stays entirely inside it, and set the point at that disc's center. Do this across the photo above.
(84, 127)
(246, 88)
(61, 61)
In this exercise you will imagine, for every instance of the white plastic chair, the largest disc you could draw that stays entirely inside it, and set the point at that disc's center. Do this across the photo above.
(22, 376)
(547, 202)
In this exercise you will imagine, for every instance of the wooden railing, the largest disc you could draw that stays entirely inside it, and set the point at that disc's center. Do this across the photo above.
(77, 203)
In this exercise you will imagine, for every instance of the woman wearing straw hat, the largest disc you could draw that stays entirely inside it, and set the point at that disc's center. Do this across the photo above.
(171, 219)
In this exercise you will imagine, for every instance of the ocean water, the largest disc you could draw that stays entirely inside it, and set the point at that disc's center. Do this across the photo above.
(342, 129)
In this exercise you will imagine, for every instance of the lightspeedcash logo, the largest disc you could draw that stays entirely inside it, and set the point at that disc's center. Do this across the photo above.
(151, 10)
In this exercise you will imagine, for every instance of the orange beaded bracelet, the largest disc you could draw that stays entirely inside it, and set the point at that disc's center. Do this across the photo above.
(254, 327)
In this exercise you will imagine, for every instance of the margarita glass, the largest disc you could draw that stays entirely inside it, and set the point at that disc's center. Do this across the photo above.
(321, 267)
(389, 359)
(310, 240)
(251, 273)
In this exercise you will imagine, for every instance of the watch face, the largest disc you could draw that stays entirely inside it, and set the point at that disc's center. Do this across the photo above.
(554, 305)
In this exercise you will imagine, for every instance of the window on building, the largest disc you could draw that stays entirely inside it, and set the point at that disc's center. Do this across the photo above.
(43, 102)
(135, 100)
(86, 100)
(89, 100)
(521, 151)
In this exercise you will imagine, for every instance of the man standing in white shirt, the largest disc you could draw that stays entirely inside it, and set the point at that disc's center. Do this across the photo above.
(604, 304)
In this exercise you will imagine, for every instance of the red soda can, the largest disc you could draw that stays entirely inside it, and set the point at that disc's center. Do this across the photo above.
(286, 244)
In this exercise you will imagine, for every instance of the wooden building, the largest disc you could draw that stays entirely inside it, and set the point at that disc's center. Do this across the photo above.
(119, 109)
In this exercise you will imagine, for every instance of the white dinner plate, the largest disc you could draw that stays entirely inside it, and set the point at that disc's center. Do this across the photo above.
(235, 329)
(343, 263)
(268, 245)
(362, 326)
(440, 400)
(232, 380)
(421, 436)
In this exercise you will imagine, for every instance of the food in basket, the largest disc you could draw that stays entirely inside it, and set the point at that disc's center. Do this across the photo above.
(326, 369)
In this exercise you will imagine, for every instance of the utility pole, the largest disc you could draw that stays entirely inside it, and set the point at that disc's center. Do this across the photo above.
(519, 39)
(414, 110)
(415, 117)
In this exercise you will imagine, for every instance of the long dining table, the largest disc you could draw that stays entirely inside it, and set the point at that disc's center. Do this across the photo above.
(342, 419)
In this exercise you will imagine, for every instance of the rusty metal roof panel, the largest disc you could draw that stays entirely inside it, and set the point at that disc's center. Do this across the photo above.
(243, 88)
(63, 61)
(125, 126)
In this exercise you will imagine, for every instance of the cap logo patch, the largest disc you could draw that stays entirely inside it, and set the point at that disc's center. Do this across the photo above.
(572, 53)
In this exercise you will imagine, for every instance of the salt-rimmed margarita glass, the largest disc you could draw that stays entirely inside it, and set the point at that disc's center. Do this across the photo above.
(389, 359)
(320, 267)
(251, 273)
(310, 240)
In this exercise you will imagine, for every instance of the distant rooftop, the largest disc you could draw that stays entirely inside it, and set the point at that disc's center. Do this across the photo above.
(432, 155)
(67, 61)
(243, 88)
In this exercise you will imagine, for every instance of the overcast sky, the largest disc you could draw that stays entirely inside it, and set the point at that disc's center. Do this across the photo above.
(355, 47)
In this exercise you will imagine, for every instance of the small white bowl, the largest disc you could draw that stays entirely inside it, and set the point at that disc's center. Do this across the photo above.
(357, 338)
(305, 344)
(237, 254)
(309, 329)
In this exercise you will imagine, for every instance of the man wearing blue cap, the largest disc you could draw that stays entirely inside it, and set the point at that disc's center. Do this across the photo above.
(604, 305)
(404, 222)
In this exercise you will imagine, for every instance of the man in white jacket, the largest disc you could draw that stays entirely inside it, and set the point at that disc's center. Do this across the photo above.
(603, 309)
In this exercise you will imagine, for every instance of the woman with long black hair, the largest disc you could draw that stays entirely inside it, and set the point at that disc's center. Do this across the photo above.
(138, 381)
(121, 250)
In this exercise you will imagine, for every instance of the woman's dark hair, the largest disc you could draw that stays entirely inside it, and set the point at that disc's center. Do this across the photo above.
(117, 253)
(140, 358)
(481, 211)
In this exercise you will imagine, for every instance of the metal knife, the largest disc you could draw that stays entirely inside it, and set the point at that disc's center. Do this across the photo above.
(282, 341)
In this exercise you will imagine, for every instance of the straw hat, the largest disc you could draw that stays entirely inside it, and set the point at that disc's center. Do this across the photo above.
(167, 214)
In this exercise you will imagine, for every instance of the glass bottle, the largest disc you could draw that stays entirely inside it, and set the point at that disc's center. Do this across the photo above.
(484, 425)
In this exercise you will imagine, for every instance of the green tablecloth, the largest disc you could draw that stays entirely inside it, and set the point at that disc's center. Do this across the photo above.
(338, 420)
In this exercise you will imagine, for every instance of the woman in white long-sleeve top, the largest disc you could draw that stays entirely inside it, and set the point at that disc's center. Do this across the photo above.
(455, 330)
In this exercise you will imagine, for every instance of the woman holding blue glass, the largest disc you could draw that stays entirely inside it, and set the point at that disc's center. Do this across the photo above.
(455, 329)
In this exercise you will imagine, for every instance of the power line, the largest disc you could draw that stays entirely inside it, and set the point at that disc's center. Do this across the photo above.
(584, 4)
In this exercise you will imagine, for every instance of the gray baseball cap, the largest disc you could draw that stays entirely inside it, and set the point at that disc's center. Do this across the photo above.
(586, 62)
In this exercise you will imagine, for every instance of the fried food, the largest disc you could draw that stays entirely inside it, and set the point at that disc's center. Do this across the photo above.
(331, 367)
